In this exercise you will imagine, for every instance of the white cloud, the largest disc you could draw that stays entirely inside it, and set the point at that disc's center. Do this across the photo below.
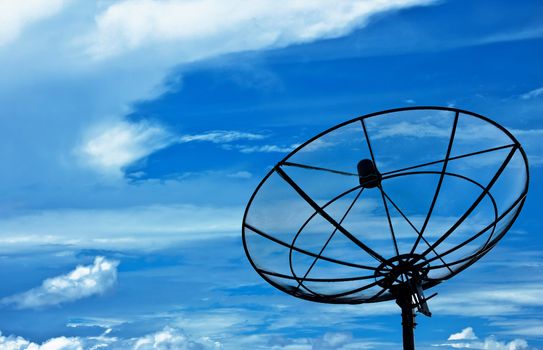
(48, 67)
(532, 94)
(522, 34)
(489, 343)
(106, 323)
(111, 147)
(333, 340)
(441, 128)
(489, 301)
(80, 283)
(16, 15)
(493, 300)
(271, 148)
(134, 227)
(211, 27)
(465, 334)
(166, 339)
(529, 138)
(221, 136)
(172, 338)
(329, 341)
(240, 175)
(527, 132)
(531, 327)
(195, 30)
(18, 343)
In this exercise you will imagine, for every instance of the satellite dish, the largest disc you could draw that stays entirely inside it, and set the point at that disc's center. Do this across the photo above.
(386, 206)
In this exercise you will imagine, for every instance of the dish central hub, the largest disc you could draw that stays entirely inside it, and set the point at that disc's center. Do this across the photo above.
(368, 175)
(400, 270)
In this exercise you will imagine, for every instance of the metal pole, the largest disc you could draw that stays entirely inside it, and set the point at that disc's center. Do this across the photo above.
(408, 321)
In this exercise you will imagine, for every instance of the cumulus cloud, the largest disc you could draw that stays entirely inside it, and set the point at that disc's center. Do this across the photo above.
(465, 334)
(82, 282)
(16, 15)
(165, 339)
(19, 343)
(466, 339)
(211, 27)
(329, 341)
(111, 147)
(173, 338)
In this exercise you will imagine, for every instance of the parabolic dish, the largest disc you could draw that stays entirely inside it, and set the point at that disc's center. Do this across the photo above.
(410, 195)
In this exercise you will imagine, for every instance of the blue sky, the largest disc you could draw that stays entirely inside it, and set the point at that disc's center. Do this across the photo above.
(132, 134)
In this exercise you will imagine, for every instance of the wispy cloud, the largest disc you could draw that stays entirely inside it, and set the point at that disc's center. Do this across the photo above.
(429, 129)
(532, 94)
(221, 136)
(109, 148)
(82, 282)
(531, 141)
(529, 138)
(105, 323)
(134, 227)
(263, 148)
(240, 175)
(409, 129)
(495, 300)
(278, 148)
(531, 327)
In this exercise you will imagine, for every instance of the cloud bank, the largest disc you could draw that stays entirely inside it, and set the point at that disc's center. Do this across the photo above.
(211, 27)
(16, 15)
(466, 339)
(97, 60)
(173, 338)
(146, 227)
(19, 343)
(165, 339)
(82, 282)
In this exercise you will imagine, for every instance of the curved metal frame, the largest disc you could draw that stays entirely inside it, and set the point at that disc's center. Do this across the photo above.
(342, 298)
(301, 280)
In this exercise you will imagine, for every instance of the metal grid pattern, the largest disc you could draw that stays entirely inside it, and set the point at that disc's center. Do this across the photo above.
(382, 275)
